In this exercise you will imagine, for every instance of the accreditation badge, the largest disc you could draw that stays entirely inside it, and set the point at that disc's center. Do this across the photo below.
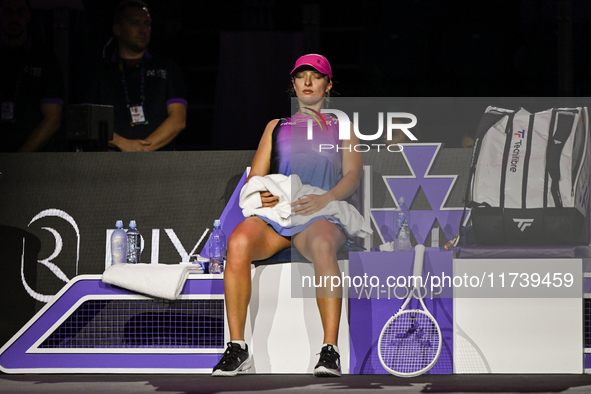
(137, 115)
(8, 110)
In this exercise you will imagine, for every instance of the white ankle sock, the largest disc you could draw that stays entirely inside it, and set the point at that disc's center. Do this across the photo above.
(241, 343)
(336, 348)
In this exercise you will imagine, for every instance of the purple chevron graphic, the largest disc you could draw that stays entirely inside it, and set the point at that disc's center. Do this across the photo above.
(420, 158)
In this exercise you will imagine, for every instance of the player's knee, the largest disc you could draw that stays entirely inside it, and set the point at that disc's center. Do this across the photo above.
(238, 242)
(322, 248)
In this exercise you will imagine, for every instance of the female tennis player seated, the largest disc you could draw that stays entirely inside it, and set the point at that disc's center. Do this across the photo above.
(285, 149)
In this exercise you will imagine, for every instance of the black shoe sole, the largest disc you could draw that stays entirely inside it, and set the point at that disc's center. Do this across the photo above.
(242, 368)
(326, 372)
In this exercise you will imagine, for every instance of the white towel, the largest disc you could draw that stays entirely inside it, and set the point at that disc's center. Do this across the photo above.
(279, 185)
(290, 188)
(156, 280)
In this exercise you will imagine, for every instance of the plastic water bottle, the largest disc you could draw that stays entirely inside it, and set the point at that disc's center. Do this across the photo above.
(134, 244)
(435, 237)
(217, 249)
(118, 244)
(403, 239)
(402, 227)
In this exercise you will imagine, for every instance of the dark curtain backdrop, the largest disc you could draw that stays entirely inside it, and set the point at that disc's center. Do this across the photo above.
(253, 83)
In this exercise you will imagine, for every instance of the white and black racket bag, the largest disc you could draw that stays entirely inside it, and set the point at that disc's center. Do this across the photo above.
(529, 177)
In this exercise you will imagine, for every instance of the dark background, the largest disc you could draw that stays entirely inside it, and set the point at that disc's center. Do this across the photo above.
(236, 55)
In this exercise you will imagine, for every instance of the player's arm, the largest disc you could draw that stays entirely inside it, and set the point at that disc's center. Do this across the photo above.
(51, 122)
(352, 170)
(261, 163)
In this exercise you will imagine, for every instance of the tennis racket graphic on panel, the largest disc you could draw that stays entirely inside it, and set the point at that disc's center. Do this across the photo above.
(468, 358)
(410, 342)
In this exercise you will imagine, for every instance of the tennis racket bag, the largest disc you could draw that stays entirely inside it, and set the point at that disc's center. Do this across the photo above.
(529, 177)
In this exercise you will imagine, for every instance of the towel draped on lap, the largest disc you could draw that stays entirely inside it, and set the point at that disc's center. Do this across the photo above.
(156, 280)
(288, 189)
(279, 186)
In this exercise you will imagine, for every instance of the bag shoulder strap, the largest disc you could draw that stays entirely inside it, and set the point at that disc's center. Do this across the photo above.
(564, 125)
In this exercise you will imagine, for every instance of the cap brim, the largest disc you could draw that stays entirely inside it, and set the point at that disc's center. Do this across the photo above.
(310, 65)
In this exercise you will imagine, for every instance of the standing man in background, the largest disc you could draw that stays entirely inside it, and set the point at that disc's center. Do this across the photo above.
(31, 85)
(146, 90)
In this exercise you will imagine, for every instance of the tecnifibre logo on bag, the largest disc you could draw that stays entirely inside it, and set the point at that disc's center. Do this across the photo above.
(522, 224)
(516, 152)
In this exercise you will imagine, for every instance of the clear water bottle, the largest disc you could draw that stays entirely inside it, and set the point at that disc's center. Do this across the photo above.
(134, 244)
(403, 239)
(217, 249)
(402, 227)
(435, 237)
(118, 244)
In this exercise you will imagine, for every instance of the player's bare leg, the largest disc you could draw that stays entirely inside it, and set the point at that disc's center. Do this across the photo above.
(319, 243)
(251, 240)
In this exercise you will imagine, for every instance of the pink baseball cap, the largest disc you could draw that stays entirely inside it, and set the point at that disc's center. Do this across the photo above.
(316, 61)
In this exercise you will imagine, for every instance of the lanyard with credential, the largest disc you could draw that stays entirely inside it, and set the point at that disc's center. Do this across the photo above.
(137, 112)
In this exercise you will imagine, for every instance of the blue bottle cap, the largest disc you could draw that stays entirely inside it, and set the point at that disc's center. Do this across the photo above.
(132, 224)
(119, 224)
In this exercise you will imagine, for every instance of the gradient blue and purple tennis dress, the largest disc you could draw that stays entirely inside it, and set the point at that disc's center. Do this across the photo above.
(294, 153)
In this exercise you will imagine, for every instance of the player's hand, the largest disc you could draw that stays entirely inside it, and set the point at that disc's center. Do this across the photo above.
(309, 204)
(269, 200)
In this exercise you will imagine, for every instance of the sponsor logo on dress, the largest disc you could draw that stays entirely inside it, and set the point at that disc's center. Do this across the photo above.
(316, 116)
